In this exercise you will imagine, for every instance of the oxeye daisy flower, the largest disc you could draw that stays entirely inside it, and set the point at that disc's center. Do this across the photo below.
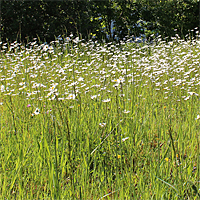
(71, 96)
(37, 112)
(106, 100)
(102, 124)
(93, 96)
(198, 117)
(186, 98)
(52, 88)
(80, 79)
(67, 39)
(126, 111)
(124, 139)
(2, 88)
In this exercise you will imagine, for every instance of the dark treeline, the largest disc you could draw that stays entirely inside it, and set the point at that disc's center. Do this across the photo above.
(45, 20)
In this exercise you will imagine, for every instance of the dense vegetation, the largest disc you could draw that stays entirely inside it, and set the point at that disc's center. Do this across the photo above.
(100, 121)
(93, 113)
(24, 20)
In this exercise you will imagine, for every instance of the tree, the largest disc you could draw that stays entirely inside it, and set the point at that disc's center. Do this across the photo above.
(24, 20)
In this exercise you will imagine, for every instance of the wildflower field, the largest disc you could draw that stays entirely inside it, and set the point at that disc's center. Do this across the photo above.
(84, 120)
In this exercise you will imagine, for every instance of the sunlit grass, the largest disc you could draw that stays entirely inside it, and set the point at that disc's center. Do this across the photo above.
(100, 121)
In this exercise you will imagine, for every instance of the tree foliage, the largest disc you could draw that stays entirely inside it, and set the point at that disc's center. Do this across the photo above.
(110, 19)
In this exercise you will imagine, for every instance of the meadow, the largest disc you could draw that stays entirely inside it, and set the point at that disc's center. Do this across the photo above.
(89, 120)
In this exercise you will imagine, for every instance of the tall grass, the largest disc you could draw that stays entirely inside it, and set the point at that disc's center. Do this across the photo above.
(100, 121)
